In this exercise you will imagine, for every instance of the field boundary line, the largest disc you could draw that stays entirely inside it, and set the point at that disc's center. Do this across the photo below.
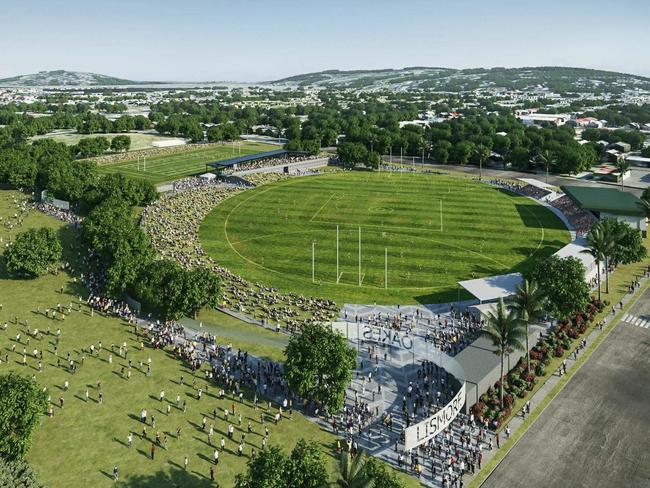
(322, 206)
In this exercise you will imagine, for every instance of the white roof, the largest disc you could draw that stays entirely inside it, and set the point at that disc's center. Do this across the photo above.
(493, 287)
(208, 176)
(574, 249)
(537, 183)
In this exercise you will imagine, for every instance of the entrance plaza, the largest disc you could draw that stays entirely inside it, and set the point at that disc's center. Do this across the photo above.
(405, 402)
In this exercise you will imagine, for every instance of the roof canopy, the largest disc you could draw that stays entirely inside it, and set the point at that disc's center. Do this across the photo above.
(608, 200)
(225, 163)
(493, 287)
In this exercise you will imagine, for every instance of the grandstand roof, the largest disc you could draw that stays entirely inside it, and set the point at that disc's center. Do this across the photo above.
(608, 200)
(493, 287)
(225, 163)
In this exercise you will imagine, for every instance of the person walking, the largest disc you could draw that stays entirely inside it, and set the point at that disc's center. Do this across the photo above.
(153, 450)
(185, 461)
(116, 474)
(129, 440)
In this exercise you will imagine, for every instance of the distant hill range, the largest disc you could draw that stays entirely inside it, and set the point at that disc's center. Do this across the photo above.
(67, 78)
(549, 78)
(556, 79)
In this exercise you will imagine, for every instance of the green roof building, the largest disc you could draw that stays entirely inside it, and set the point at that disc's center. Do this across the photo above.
(609, 203)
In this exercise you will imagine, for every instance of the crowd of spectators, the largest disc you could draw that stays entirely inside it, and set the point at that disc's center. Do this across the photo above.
(173, 222)
(269, 162)
(580, 219)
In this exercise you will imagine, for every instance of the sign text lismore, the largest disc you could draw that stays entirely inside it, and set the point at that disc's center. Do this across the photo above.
(420, 433)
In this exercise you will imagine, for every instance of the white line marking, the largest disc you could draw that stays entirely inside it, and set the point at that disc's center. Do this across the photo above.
(625, 317)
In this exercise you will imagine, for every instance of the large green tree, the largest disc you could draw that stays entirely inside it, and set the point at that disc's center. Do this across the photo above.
(200, 289)
(628, 244)
(22, 405)
(121, 143)
(272, 468)
(124, 248)
(319, 365)
(563, 282)
(17, 474)
(33, 253)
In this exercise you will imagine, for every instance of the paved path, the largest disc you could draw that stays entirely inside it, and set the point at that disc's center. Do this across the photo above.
(595, 433)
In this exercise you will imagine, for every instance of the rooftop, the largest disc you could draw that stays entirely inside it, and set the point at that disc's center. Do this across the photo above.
(608, 200)
(225, 163)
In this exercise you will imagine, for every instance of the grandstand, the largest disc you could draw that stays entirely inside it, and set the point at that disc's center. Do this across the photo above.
(606, 203)
(233, 164)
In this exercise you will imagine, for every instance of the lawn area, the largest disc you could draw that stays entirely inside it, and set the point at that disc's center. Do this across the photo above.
(83, 441)
(171, 167)
(139, 140)
(434, 230)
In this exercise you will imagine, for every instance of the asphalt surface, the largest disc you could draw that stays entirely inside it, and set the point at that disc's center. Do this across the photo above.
(596, 433)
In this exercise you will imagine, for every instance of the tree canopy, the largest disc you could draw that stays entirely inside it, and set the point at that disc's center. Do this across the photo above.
(33, 253)
(272, 468)
(563, 282)
(22, 404)
(319, 364)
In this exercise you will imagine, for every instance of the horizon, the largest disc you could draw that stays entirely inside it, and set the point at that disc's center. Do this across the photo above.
(254, 42)
(179, 81)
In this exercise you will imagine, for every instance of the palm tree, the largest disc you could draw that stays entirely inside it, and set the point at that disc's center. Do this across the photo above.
(547, 158)
(352, 473)
(482, 153)
(596, 247)
(506, 331)
(610, 241)
(529, 305)
(622, 165)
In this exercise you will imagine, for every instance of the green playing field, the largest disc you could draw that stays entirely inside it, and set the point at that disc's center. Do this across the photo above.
(160, 169)
(402, 237)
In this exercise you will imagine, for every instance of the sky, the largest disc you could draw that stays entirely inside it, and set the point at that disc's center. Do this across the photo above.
(251, 40)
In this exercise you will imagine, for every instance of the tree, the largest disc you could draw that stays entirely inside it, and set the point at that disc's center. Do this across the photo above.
(381, 476)
(18, 474)
(200, 289)
(597, 247)
(547, 158)
(121, 143)
(70, 180)
(482, 153)
(17, 168)
(506, 331)
(123, 247)
(529, 305)
(623, 166)
(306, 466)
(266, 470)
(461, 152)
(563, 282)
(611, 235)
(272, 468)
(160, 286)
(628, 245)
(352, 472)
(319, 365)
(88, 147)
(352, 154)
(22, 404)
(33, 253)
(441, 151)
(132, 191)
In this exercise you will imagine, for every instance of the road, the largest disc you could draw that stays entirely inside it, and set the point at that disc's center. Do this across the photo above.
(595, 432)
(639, 180)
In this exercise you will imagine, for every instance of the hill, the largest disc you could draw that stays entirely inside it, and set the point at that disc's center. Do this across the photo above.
(67, 78)
(552, 78)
